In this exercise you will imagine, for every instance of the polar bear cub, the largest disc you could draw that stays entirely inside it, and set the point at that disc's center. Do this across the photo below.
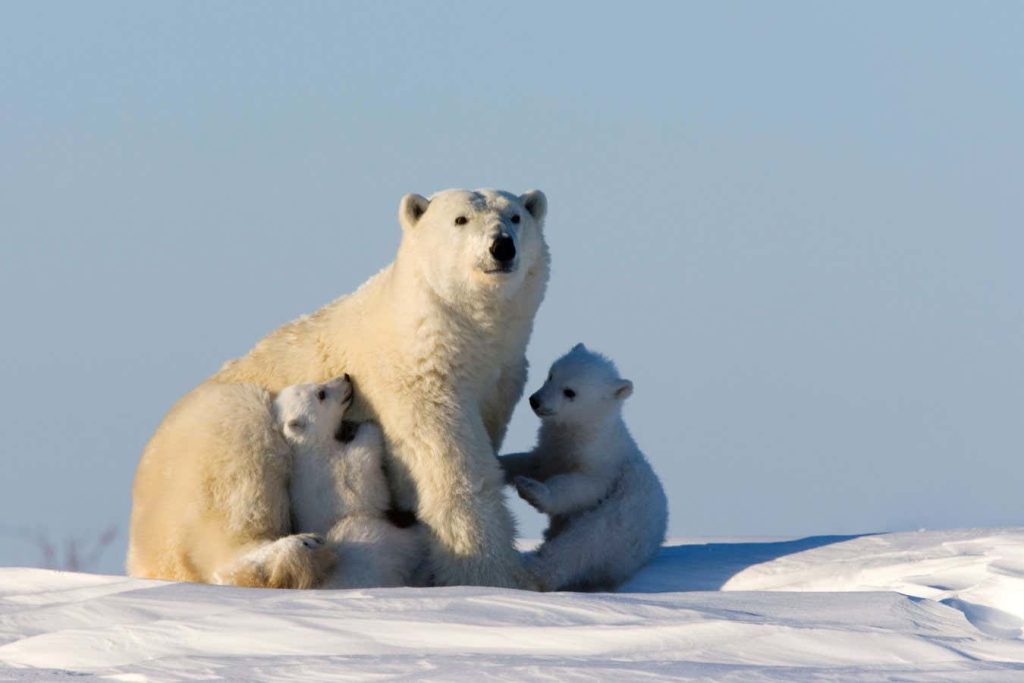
(607, 509)
(338, 487)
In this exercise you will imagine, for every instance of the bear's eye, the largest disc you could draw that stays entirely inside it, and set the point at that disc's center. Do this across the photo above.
(515, 218)
(322, 394)
(569, 394)
(461, 220)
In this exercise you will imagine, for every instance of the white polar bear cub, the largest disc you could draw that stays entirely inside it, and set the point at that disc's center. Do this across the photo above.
(338, 488)
(608, 510)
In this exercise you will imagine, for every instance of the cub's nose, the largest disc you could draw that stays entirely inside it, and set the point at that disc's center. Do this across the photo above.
(503, 249)
(534, 401)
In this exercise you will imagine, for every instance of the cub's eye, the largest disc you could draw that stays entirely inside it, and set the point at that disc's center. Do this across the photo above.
(515, 218)
(461, 220)
(569, 394)
(322, 394)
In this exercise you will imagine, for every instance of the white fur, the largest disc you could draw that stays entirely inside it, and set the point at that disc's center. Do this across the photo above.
(607, 509)
(435, 344)
(338, 489)
(274, 557)
(210, 501)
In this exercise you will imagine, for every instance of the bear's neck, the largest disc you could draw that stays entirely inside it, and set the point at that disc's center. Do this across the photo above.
(459, 340)
(314, 448)
(605, 440)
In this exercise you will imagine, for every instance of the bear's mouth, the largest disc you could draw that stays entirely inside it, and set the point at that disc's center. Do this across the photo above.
(503, 269)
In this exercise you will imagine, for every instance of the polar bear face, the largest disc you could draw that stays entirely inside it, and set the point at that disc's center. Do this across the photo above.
(583, 387)
(464, 242)
(311, 414)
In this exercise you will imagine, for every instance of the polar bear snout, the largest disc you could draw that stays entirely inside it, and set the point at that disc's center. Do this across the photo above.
(503, 249)
(340, 389)
(538, 406)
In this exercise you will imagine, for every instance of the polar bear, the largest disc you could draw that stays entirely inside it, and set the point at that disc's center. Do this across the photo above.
(435, 344)
(608, 510)
(201, 492)
(338, 489)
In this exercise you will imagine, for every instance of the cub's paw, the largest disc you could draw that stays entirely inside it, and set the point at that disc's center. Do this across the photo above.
(534, 492)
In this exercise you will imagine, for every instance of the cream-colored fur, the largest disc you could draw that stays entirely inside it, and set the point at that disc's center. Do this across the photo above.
(338, 488)
(435, 344)
(210, 500)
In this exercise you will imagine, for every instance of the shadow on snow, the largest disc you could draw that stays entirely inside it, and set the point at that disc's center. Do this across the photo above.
(708, 566)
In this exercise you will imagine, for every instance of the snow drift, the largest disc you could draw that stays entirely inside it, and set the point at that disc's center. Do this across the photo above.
(932, 605)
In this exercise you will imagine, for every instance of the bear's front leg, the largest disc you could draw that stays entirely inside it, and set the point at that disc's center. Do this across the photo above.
(565, 493)
(461, 502)
(500, 402)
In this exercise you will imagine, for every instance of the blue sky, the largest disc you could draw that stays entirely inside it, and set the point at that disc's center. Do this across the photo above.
(796, 226)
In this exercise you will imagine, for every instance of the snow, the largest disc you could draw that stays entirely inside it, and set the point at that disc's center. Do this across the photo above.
(915, 606)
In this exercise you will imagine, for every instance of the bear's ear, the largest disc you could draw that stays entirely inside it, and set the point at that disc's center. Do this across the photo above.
(411, 209)
(536, 203)
(579, 347)
(623, 390)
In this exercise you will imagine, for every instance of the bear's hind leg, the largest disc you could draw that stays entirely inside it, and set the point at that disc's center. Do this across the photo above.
(577, 558)
(296, 561)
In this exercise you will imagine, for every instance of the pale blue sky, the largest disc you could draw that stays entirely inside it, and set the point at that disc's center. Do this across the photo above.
(797, 227)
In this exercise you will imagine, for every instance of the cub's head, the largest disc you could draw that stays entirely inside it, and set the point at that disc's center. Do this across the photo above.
(312, 413)
(582, 387)
(467, 241)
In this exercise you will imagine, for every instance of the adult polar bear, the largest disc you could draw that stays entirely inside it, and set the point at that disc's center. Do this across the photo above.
(435, 344)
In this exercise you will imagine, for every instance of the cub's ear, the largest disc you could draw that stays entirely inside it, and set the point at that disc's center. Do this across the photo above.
(579, 347)
(623, 390)
(411, 209)
(295, 425)
(536, 203)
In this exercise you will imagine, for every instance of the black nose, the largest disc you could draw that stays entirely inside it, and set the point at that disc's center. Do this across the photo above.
(503, 249)
(534, 401)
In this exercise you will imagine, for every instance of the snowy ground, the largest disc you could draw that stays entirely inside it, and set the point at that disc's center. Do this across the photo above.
(935, 605)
